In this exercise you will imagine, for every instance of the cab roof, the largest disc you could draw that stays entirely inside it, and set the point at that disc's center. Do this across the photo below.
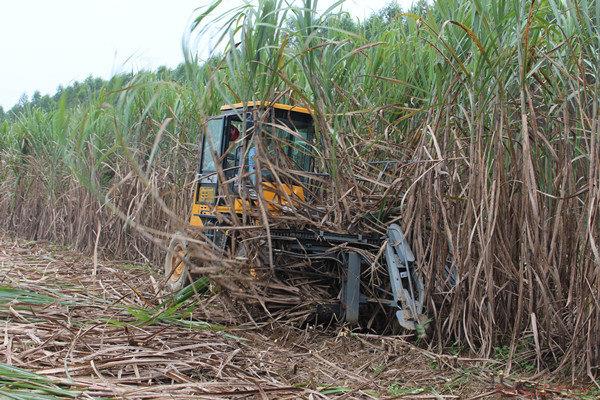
(277, 106)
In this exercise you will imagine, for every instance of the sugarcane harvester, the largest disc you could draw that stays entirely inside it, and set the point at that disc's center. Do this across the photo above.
(228, 163)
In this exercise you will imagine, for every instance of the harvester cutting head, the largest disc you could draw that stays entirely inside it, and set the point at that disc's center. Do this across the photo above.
(407, 286)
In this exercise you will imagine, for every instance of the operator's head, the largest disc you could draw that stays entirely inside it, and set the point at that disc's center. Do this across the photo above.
(234, 133)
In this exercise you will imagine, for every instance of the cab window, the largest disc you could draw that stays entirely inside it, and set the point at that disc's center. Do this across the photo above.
(211, 144)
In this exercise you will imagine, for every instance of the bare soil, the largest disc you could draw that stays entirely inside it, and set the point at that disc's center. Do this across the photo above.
(95, 328)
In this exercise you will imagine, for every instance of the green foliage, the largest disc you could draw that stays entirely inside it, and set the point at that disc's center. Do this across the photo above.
(9, 294)
(501, 353)
(397, 389)
(16, 383)
(335, 390)
(591, 394)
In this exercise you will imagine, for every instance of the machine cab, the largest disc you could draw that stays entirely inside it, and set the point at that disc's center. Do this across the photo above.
(229, 159)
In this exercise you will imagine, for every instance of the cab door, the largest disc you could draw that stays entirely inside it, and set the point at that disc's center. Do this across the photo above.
(207, 179)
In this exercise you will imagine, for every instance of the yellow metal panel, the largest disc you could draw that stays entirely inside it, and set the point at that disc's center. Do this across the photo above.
(278, 106)
(275, 200)
(277, 193)
(195, 220)
(206, 194)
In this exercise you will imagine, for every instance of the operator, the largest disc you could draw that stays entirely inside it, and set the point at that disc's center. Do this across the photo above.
(234, 135)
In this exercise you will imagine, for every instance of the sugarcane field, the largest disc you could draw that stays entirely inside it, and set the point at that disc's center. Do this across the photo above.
(300, 199)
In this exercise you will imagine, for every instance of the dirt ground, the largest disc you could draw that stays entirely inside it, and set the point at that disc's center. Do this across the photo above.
(73, 326)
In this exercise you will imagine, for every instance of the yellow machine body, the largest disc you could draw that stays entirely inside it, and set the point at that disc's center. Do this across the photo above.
(273, 199)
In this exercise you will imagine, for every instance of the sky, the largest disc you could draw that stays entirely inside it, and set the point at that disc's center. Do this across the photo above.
(44, 44)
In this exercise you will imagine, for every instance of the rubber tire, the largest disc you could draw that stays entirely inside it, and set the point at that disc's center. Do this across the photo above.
(174, 283)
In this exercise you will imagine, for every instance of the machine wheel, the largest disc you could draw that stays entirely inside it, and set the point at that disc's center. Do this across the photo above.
(176, 264)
